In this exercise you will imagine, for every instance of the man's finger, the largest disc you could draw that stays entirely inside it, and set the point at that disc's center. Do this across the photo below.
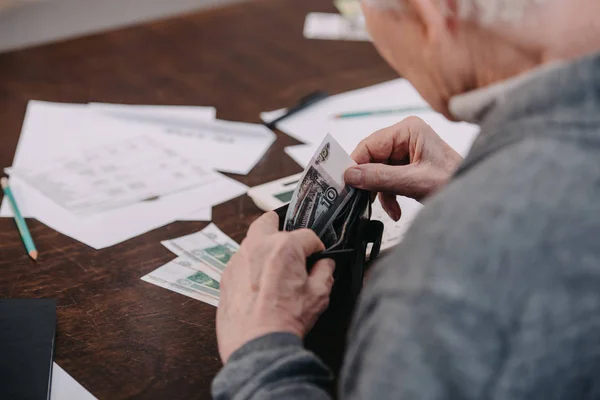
(380, 146)
(266, 224)
(321, 277)
(389, 144)
(390, 205)
(307, 240)
(405, 180)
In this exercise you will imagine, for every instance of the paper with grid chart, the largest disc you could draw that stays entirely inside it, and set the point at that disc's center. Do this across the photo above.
(114, 175)
(52, 130)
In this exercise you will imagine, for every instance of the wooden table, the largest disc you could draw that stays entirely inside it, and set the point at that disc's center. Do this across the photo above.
(117, 335)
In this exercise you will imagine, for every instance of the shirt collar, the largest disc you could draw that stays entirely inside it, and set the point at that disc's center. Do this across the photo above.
(472, 106)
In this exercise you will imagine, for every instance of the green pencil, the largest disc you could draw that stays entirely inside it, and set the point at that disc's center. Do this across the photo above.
(390, 111)
(20, 221)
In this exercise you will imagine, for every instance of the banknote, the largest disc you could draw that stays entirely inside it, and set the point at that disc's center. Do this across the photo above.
(321, 193)
(214, 233)
(348, 8)
(179, 276)
(209, 250)
(204, 250)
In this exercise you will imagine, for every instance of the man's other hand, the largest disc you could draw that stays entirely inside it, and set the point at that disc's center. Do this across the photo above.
(407, 159)
(266, 288)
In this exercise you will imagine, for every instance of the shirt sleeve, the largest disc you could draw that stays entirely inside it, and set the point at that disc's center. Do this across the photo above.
(274, 366)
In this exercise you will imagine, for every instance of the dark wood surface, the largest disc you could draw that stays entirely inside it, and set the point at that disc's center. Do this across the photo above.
(117, 335)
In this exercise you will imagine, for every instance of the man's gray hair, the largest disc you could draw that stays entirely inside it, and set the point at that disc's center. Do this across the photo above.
(484, 11)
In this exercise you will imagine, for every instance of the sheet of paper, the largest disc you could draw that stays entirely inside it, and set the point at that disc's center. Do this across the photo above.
(393, 232)
(269, 116)
(233, 147)
(226, 146)
(312, 124)
(107, 229)
(335, 27)
(179, 115)
(272, 195)
(64, 387)
(203, 214)
(53, 129)
(187, 115)
(179, 277)
(120, 173)
(301, 153)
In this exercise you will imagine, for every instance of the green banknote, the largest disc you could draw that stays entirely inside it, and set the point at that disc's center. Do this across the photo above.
(178, 276)
(209, 246)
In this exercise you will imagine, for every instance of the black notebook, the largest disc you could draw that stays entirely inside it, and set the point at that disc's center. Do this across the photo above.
(27, 328)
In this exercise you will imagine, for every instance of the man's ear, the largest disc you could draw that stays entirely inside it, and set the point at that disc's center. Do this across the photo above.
(434, 22)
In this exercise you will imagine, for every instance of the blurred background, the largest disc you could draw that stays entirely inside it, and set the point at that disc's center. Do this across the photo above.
(25, 23)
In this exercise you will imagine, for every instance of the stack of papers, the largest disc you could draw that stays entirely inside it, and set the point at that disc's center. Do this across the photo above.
(103, 174)
(313, 123)
(197, 270)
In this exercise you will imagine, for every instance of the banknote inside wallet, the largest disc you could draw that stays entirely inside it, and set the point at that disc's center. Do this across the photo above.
(346, 239)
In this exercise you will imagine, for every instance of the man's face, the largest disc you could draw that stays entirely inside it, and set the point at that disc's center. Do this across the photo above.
(423, 57)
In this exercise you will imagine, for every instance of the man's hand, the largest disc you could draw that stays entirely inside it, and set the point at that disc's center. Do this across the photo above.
(407, 159)
(265, 287)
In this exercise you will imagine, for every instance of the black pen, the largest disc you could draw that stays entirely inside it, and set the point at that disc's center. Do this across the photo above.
(304, 102)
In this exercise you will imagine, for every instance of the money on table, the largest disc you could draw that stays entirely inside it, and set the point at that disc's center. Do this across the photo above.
(196, 272)
(210, 249)
(179, 276)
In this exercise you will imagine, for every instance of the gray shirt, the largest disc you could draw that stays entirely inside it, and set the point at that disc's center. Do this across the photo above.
(495, 291)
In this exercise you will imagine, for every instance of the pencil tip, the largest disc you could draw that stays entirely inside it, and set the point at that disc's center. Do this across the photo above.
(33, 254)
(4, 183)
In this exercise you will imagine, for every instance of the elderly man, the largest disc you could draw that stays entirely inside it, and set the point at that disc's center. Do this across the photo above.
(495, 291)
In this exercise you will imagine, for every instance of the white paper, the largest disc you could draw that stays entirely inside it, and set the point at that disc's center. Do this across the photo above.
(334, 27)
(393, 232)
(275, 194)
(53, 129)
(203, 214)
(117, 174)
(269, 116)
(64, 387)
(187, 115)
(226, 146)
(301, 153)
(313, 123)
(107, 229)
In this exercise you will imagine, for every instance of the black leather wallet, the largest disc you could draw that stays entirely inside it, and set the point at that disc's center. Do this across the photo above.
(346, 243)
